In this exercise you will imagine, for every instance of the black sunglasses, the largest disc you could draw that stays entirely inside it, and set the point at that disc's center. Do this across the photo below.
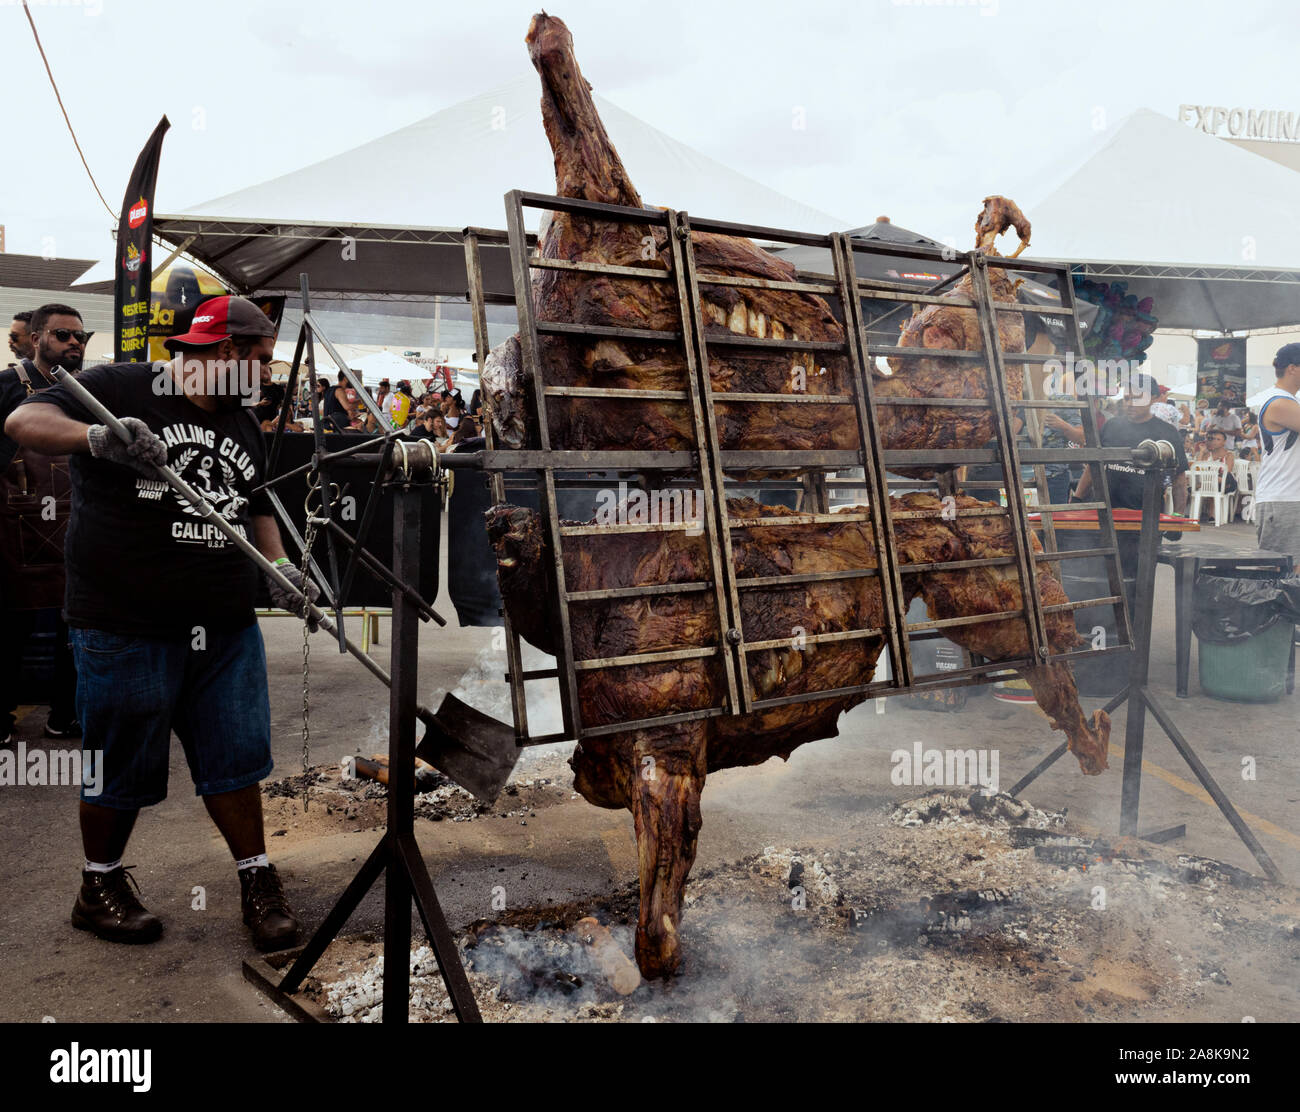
(63, 335)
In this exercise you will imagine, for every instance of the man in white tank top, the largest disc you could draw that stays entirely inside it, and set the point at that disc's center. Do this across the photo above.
(1277, 493)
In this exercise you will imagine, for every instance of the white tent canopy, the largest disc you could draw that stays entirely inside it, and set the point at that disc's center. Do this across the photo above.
(452, 169)
(379, 365)
(1157, 191)
(1210, 230)
(405, 197)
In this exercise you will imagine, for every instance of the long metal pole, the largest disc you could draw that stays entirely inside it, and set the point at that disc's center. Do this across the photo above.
(206, 513)
(1134, 726)
(401, 750)
(496, 479)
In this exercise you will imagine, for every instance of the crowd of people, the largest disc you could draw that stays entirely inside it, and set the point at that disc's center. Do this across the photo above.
(1209, 433)
(438, 415)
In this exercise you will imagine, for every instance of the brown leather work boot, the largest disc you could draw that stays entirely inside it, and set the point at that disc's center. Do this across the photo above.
(107, 907)
(266, 911)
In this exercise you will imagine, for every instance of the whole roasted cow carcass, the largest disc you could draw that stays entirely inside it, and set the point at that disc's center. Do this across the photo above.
(611, 769)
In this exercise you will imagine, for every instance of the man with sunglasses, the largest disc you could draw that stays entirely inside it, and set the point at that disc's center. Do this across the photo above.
(35, 505)
(20, 337)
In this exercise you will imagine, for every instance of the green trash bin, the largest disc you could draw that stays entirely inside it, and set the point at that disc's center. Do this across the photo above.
(1243, 639)
(1249, 671)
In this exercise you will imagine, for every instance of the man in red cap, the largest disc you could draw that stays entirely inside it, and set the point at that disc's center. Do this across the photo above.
(160, 604)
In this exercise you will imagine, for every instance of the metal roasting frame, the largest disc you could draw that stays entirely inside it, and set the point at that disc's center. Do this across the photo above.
(708, 463)
(397, 856)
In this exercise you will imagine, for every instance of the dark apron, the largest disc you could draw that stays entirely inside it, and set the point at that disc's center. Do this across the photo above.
(35, 506)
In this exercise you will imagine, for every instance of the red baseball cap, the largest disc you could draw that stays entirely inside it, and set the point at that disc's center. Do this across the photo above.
(219, 318)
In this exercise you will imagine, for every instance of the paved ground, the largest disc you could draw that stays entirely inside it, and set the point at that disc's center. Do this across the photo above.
(824, 794)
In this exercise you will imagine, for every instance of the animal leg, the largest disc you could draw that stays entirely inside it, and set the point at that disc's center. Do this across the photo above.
(1054, 690)
(665, 804)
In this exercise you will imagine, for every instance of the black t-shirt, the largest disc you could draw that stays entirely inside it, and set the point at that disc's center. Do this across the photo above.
(12, 392)
(139, 559)
(1124, 479)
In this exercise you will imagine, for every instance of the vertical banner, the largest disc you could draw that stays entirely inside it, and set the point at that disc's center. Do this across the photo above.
(1221, 370)
(134, 245)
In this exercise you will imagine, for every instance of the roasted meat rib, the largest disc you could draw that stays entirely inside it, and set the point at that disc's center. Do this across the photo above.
(610, 770)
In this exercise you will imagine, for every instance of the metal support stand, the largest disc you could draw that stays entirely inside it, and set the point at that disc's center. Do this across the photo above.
(1140, 700)
(397, 857)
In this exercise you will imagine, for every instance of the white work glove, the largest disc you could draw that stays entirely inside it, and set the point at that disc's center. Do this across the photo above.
(144, 452)
(284, 600)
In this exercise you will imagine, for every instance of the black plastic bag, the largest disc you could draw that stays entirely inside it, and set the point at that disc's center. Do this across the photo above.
(1229, 610)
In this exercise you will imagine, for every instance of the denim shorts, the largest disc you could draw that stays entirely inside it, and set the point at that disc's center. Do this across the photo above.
(132, 692)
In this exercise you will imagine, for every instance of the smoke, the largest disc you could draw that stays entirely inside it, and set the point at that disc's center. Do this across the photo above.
(545, 968)
(484, 688)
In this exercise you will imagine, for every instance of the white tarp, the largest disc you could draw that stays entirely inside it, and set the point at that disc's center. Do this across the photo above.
(1210, 230)
(1256, 400)
(379, 365)
(401, 201)
(452, 170)
(1157, 191)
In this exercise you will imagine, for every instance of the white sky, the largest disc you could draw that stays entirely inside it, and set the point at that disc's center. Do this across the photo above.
(916, 110)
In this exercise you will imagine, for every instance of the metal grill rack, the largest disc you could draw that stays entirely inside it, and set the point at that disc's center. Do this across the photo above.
(708, 461)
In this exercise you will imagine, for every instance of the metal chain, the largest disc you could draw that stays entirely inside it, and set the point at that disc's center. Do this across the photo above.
(309, 539)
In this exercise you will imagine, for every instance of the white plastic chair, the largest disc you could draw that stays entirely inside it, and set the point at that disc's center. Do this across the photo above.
(1241, 471)
(1247, 476)
(1207, 482)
